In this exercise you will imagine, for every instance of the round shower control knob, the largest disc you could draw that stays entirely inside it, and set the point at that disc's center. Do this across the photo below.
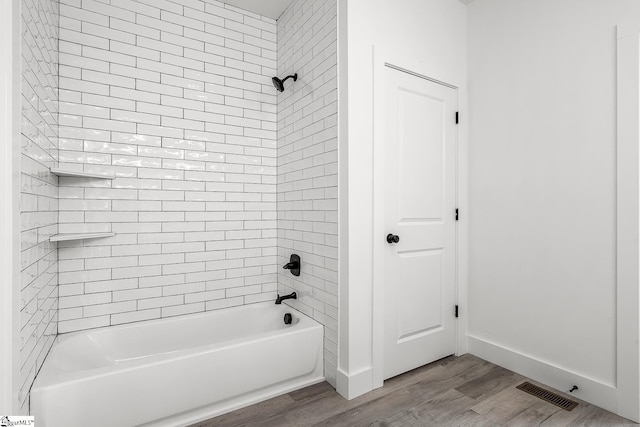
(393, 238)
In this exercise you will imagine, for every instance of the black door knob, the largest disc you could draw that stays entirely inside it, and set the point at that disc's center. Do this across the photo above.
(392, 238)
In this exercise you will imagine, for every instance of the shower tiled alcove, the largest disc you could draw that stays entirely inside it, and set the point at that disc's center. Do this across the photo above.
(216, 178)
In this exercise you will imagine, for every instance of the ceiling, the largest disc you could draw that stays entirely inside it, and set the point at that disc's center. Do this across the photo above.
(269, 8)
(272, 8)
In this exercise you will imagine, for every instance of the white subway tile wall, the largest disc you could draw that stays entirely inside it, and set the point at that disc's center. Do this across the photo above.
(175, 97)
(39, 193)
(308, 164)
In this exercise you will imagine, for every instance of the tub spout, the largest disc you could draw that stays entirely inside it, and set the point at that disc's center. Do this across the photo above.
(292, 295)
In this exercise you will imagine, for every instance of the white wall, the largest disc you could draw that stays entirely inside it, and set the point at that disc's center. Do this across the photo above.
(308, 165)
(542, 287)
(176, 99)
(430, 38)
(38, 188)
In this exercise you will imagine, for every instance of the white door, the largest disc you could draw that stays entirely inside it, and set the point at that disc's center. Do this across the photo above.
(420, 187)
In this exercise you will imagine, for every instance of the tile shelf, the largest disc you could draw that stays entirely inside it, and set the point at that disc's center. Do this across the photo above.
(79, 236)
(78, 174)
(66, 237)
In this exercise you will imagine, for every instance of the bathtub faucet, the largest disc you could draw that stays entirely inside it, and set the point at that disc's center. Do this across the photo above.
(292, 295)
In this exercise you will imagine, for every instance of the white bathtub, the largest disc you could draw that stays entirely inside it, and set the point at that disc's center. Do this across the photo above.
(178, 371)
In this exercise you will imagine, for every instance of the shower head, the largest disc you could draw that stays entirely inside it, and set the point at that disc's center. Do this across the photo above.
(279, 84)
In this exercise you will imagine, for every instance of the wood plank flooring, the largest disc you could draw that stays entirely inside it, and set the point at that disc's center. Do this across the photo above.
(456, 391)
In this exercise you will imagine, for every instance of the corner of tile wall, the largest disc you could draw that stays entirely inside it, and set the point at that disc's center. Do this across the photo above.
(308, 164)
(38, 188)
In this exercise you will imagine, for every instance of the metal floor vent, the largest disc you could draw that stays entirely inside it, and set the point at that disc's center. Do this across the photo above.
(548, 396)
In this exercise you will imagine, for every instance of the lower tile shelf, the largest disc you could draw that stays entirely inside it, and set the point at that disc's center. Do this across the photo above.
(79, 174)
(79, 236)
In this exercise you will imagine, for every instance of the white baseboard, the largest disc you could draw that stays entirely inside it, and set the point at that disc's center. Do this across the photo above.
(354, 385)
(590, 390)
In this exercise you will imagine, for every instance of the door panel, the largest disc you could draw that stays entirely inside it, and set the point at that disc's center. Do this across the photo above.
(420, 164)
(415, 270)
(419, 194)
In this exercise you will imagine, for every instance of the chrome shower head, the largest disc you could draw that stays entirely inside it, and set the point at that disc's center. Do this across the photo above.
(279, 84)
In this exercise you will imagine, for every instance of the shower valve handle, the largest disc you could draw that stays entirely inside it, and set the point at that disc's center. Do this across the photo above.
(293, 265)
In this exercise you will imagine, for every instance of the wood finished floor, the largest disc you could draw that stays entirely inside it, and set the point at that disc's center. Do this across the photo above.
(455, 391)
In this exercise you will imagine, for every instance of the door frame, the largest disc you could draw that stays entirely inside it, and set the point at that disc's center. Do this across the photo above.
(381, 60)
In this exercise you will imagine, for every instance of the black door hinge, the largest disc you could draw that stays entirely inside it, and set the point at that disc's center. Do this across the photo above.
(457, 117)
(457, 215)
(456, 311)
